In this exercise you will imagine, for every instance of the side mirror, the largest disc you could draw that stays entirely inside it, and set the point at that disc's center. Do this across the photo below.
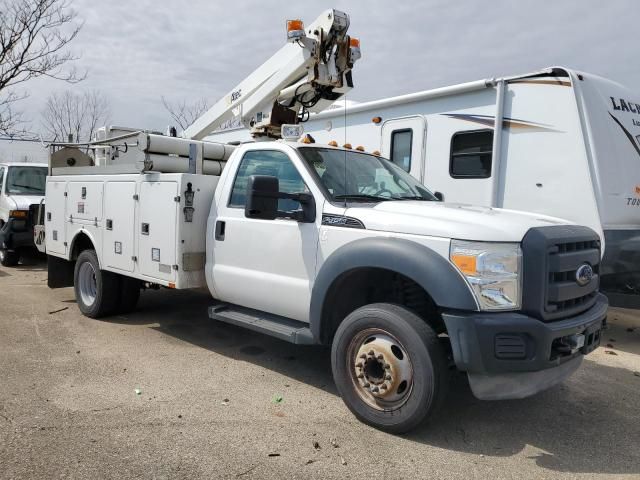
(439, 196)
(262, 197)
(262, 201)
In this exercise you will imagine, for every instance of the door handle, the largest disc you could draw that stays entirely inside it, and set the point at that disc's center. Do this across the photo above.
(220, 228)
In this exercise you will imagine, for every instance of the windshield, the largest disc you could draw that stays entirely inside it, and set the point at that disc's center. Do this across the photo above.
(355, 176)
(26, 180)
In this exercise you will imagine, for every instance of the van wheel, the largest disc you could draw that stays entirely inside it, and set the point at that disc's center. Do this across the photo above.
(389, 367)
(9, 259)
(96, 290)
(129, 294)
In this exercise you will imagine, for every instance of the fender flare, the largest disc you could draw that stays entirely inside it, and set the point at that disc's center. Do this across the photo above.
(430, 270)
(72, 243)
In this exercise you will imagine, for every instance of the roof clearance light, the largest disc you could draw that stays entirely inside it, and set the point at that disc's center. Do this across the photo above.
(376, 120)
(376, 153)
(291, 132)
(295, 30)
(347, 146)
(307, 139)
(360, 148)
(354, 47)
(333, 143)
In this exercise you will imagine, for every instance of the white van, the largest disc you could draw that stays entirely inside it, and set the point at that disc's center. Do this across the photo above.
(569, 147)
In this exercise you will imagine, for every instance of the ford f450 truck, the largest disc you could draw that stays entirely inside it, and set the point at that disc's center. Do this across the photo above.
(316, 244)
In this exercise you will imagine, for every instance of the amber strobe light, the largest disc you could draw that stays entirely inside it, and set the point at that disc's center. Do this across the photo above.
(295, 29)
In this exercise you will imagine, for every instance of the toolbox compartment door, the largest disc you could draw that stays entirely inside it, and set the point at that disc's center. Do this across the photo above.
(156, 230)
(119, 225)
(84, 201)
(55, 217)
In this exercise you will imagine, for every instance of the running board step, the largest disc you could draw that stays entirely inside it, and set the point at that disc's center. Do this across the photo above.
(273, 325)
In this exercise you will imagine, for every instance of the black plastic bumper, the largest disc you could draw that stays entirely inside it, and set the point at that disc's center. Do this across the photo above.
(515, 349)
(15, 234)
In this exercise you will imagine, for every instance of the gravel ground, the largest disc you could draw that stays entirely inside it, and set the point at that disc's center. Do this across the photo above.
(167, 393)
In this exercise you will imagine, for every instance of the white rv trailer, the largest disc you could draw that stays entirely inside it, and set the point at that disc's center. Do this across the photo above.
(569, 147)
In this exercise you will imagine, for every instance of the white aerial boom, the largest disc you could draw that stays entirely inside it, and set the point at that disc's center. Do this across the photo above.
(307, 75)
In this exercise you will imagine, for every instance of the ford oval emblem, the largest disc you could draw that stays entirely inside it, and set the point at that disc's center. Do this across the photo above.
(584, 274)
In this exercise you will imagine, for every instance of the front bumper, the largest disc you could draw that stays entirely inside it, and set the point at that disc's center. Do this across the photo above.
(512, 355)
(15, 234)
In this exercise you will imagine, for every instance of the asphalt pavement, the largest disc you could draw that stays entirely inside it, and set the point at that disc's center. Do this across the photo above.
(167, 393)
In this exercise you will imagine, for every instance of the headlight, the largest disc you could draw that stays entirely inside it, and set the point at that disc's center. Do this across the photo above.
(493, 270)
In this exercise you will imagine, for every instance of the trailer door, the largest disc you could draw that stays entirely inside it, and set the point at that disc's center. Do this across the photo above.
(403, 142)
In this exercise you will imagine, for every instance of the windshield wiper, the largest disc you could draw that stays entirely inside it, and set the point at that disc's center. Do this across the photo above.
(413, 198)
(30, 187)
(361, 196)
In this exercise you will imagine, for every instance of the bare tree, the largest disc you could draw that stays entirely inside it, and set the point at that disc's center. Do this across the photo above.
(68, 113)
(34, 36)
(183, 113)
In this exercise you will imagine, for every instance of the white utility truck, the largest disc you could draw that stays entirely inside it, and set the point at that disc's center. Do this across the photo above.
(315, 244)
(22, 188)
(569, 147)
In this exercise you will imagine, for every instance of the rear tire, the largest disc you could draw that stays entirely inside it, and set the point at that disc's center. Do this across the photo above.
(129, 294)
(389, 367)
(97, 291)
(9, 259)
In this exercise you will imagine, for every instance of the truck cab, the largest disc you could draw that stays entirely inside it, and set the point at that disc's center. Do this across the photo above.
(22, 188)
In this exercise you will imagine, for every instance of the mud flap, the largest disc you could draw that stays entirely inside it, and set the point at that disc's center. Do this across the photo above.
(60, 272)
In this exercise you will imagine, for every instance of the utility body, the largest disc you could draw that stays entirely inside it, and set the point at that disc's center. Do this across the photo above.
(315, 244)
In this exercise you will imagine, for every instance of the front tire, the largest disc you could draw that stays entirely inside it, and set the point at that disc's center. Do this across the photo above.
(389, 367)
(97, 291)
(9, 259)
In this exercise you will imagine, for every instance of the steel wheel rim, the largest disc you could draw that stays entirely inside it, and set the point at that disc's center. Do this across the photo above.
(380, 369)
(87, 283)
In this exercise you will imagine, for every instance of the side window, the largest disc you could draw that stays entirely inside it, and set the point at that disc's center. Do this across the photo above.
(471, 154)
(268, 162)
(401, 148)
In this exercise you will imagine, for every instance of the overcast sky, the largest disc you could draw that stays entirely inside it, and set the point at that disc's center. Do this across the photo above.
(137, 51)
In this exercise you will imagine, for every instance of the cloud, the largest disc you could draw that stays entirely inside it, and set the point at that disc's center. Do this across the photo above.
(136, 52)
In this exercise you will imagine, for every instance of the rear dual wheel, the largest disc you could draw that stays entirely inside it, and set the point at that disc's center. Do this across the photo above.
(100, 293)
(389, 367)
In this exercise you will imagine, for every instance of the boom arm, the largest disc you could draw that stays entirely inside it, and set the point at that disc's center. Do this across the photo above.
(307, 75)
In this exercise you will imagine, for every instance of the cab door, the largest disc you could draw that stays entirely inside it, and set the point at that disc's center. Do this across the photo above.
(403, 142)
(268, 265)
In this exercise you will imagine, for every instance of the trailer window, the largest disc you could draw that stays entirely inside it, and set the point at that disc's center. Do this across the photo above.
(268, 162)
(471, 154)
(401, 148)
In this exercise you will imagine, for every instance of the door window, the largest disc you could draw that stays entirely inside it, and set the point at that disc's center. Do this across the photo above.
(401, 148)
(471, 154)
(273, 163)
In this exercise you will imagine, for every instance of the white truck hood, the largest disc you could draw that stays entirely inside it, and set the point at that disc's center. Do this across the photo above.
(450, 220)
(22, 202)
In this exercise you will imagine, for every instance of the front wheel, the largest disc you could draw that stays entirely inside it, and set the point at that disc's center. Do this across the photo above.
(9, 259)
(389, 367)
(97, 291)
